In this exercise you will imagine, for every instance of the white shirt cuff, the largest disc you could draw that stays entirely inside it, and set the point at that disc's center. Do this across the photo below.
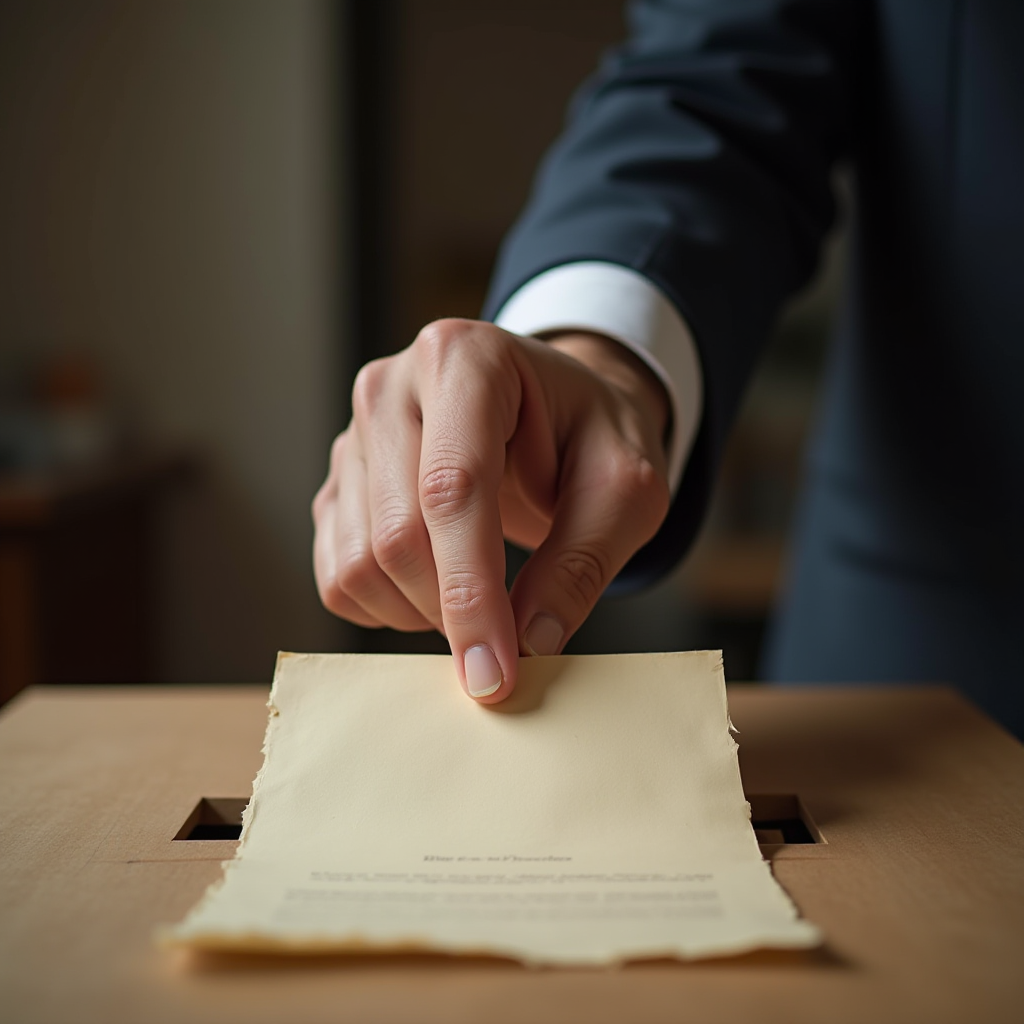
(618, 302)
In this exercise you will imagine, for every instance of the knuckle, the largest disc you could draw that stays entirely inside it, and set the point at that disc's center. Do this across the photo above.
(653, 493)
(446, 489)
(368, 387)
(639, 485)
(395, 542)
(649, 486)
(463, 598)
(332, 597)
(437, 337)
(454, 352)
(337, 447)
(320, 499)
(354, 576)
(582, 572)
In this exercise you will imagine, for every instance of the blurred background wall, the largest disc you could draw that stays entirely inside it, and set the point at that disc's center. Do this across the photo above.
(168, 196)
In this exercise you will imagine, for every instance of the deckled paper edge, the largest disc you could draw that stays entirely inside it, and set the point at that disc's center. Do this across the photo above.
(356, 944)
(173, 936)
(273, 714)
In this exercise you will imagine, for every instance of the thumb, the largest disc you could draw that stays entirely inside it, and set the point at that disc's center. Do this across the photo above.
(611, 503)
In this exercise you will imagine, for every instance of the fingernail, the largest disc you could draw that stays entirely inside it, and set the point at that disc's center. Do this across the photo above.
(543, 635)
(483, 673)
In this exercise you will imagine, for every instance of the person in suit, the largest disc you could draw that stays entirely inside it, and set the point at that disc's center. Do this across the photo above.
(584, 416)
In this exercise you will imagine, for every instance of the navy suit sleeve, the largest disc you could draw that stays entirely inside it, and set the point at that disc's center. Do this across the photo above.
(700, 156)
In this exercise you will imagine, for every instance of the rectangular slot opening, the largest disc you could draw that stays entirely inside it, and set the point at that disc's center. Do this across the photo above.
(781, 819)
(777, 819)
(214, 817)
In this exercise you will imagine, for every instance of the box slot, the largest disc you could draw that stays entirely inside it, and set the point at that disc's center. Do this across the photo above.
(781, 819)
(213, 818)
(777, 819)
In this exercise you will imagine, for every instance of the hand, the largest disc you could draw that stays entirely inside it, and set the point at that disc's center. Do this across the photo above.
(471, 434)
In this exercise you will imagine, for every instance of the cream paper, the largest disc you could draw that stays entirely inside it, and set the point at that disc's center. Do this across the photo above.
(593, 817)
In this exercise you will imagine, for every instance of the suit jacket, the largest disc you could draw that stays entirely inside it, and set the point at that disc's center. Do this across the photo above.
(700, 155)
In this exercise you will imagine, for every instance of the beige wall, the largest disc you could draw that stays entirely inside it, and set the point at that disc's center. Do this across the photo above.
(168, 197)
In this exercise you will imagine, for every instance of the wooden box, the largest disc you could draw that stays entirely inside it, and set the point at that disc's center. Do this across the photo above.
(912, 801)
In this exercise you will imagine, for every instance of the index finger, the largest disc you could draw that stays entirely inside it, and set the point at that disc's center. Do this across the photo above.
(469, 405)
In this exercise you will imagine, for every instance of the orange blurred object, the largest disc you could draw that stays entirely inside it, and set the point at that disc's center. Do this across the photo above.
(68, 380)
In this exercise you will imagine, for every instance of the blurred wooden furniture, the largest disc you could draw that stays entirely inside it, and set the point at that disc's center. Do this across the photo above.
(77, 572)
(917, 879)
